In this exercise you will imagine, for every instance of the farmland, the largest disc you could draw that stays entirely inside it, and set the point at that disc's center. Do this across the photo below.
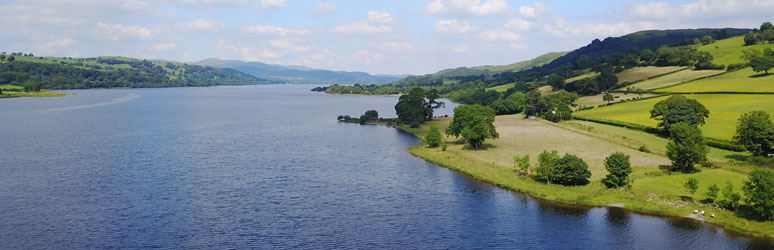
(744, 80)
(674, 79)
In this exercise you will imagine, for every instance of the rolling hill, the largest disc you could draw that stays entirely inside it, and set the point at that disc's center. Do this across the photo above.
(298, 74)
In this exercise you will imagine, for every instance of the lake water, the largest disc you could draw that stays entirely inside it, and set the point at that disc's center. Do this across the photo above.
(269, 167)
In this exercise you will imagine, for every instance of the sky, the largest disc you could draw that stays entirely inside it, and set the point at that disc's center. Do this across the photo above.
(379, 37)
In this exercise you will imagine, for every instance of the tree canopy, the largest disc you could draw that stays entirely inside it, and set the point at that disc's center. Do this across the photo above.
(759, 190)
(755, 131)
(686, 147)
(677, 109)
(619, 167)
(475, 123)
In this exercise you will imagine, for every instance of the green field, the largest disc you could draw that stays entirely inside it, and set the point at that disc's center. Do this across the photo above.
(595, 100)
(581, 77)
(642, 73)
(725, 110)
(730, 50)
(652, 191)
(11, 87)
(674, 78)
(744, 80)
(501, 88)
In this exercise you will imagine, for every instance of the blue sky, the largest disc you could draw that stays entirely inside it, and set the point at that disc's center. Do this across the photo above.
(382, 37)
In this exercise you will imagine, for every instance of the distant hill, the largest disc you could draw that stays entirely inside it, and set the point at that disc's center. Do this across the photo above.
(649, 39)
(113, 72)
(298, 74)
(490, 70)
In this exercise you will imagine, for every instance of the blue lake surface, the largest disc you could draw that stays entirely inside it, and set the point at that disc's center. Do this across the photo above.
(269, 167)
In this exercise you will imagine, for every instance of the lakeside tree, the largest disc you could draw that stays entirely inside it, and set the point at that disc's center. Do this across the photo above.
(521, 164)
(571, 170)
(556, 82)
(475, 123)
(433, 137)
(755, 131)
(32, 86)
(432, 102)
(692, 185)
(712, 193)
(676, 109)
(608, 98)
(731, 198)
(412, 108)
(546, 166)
(369, 116)
(686, 147)
(619, 167)
(759, 190)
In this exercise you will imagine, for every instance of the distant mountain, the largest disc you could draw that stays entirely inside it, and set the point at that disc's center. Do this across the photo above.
(649, 39)
(490, 70)
(298, 74)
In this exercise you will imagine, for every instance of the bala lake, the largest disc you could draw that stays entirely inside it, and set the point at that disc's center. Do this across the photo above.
(270, 167)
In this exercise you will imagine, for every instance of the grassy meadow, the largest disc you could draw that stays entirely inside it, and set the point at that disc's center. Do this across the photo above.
(674, 79)
(642, 73)
(581, 77)
(596, 100)
(725, 110)
(653, 190)
(744, 80)
(730, 51)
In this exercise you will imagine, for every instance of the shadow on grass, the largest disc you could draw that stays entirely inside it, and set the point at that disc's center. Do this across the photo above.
(746, 212)
(686, 198)
(760, 75)
(761, 161)
(485, 146)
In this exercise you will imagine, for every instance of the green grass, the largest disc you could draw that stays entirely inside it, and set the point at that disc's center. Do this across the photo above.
(595, 100)
(501, 88)
(729, 51)
(744, 80)
(11, 87)
(42, 93)
(580, 77)
(674, 79)
(725, 110)
(642, 73)
(653, 191)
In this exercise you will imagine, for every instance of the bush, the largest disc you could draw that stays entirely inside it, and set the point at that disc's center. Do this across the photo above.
(736, 66)
(433, 137)
(569, 170)
(755, 131)
(692, 185)
(644, 149)
(712, 192)
(731, 198)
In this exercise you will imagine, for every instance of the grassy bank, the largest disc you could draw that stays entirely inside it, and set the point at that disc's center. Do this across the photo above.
(42, 93)
(653, 191)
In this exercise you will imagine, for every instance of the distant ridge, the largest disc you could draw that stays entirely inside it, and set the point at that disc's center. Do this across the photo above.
(298, 74)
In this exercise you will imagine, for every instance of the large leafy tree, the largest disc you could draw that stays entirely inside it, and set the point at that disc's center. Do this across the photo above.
(676, 109)
(433, 103)
(686, 147)
(412, 108)
(759, 190)
(473, 122)
(755, 131)
(619, 168)
(556, 81)
(571, 170)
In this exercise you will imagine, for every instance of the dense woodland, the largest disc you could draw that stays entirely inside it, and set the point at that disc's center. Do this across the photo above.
(83, 73)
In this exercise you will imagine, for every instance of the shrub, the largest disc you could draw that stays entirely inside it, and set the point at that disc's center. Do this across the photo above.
(692, 185)
(712, 192)
(759, 190)
(433, 137)
(569, 170)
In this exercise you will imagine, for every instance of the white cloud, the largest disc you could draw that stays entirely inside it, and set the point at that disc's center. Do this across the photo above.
(325, 8)
(518, 24)
(266, 4)
(453, 26)
(164, 46)
(288, 45)
(375, 22)
(562, 28)
(204, 24)
(207, 1)
(519, 46)
(460, 48)
(273, 30)
(58, 43)
(368, 57)
(467, 7)
(535, 10)
(118, 31)
(499, 35)
(702, 10)
(394, 46)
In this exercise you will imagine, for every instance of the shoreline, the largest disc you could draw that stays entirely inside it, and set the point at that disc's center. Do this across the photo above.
(42, 93)
(544, 194)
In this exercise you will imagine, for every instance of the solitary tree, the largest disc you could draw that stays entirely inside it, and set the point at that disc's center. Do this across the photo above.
(686, 147)
(546, 166)
(766, 26)
(692, 185)
(677, 109)
(608, 98)
(619, 168)
(522, 163)
(707, 40)
(759, 190)
(412, 107)
(571, 170)
(755, 131)
(433, 137)
(432, 102)
(474, 122)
